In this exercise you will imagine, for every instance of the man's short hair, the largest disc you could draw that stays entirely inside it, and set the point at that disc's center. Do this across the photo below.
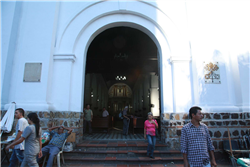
(21, 111)
(193, 110)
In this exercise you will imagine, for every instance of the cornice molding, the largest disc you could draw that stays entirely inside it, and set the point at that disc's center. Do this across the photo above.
(70, 57)
(180, 59)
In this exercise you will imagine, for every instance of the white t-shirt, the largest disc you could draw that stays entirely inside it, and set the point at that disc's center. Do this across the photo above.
(20, 126)
(105, 113)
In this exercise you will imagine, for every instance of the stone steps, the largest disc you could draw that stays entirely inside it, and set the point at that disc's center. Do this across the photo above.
(123, 160)
(121, 152)
(125, 165)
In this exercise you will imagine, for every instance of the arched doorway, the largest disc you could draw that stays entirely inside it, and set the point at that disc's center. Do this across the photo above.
(122, 70)
(77, 34)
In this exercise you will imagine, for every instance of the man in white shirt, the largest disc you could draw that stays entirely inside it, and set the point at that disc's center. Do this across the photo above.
(105, 113)
(17, 153)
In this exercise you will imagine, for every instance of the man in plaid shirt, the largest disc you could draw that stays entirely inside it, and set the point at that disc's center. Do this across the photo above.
(196, 144)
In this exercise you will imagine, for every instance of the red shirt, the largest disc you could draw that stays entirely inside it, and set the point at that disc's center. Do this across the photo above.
(150, 127)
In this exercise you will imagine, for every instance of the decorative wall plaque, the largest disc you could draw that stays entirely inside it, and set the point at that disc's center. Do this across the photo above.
(32, 72)
(212, 73)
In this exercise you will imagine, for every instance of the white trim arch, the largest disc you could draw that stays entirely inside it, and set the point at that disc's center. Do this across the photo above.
(73, 28)
(79, 34)
(102, 24)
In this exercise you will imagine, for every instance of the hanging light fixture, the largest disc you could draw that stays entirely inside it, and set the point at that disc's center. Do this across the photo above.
(120, 78)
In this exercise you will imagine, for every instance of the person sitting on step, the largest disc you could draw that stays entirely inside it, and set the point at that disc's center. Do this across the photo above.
(55, 144)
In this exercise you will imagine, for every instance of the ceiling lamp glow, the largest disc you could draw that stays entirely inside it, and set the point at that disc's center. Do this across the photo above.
(120, 78)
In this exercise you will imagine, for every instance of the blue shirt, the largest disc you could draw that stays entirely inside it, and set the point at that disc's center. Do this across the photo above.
(196, 143)
(58, 139)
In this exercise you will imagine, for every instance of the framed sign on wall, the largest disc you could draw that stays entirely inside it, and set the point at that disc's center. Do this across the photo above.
(211, 72)
(32, 72)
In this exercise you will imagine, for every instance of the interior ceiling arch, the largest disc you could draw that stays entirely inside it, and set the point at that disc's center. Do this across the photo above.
(122, 51)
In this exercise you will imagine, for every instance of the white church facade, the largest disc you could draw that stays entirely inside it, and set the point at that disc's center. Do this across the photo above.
(201, 56)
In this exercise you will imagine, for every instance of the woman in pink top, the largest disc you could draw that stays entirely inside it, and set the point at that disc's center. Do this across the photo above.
(149, 133)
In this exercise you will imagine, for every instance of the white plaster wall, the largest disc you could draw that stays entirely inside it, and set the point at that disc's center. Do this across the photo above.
(244, 69)
(34, 45)
(218, 30)
(10, 18)
(187, 31)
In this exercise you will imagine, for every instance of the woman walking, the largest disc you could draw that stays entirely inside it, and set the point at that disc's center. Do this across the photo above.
(149, 133)
(33, 143)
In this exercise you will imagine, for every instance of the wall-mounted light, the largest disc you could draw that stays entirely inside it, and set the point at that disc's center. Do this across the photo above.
(91, 94)
(119, 78)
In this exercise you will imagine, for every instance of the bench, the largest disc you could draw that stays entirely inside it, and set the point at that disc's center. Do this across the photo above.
(99, 122)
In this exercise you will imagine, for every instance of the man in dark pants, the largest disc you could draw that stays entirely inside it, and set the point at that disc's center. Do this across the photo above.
(88, 116)
(125, 120)
(196, 144)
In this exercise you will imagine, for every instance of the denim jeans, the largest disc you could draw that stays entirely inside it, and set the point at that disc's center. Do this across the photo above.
(17, 155)
(52, 151)
(125, 126)
(151, 145)
(208, 165)
(85, 126)
(30, 161)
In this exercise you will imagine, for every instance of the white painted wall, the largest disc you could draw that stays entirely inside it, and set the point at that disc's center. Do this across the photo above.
(34, 44)
(219, 31)
(10, 18)
(189, 32)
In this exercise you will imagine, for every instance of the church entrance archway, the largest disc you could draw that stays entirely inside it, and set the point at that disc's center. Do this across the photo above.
(122, 70)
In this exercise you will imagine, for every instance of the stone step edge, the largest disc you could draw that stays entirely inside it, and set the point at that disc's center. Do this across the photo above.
(120, 145)
(138, 159)
(122, 152)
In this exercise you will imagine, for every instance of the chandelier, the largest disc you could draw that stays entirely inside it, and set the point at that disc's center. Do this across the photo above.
(120, 78)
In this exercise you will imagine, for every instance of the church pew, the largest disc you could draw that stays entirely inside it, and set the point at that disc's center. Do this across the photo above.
(105, 123)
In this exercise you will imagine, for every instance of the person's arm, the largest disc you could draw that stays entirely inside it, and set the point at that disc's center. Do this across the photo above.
(20, 140)
(213, 162)
(68, 129)
(52, 128)
(156, 124)
(40, 154)
(126, 117)
(184, 146)
(185, 160)
(145, 133)
(19, 134)
(210, 149)
(91, 115)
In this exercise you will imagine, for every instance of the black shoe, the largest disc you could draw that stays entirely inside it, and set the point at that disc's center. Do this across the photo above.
(152, 157)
